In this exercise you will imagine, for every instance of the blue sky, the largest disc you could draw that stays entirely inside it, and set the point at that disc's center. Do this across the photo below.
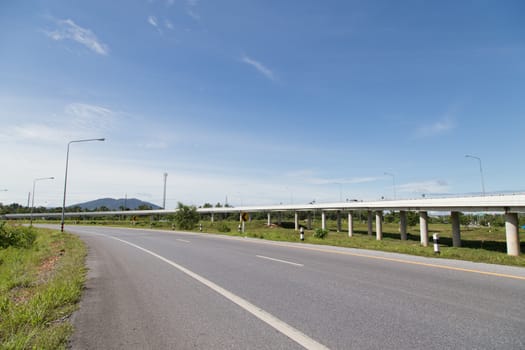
(262, 102)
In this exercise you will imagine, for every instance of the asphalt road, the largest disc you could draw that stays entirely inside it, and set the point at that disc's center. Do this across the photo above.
(169, 290)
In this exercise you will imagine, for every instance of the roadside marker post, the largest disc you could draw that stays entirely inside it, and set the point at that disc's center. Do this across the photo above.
(435, 237)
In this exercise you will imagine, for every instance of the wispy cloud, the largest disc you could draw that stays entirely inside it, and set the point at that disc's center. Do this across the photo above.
(430, 186)
(435, 128)
(190, 9)
(79, 120)
(168, 24)
(308, 176)
(86, 116)
(268, 73)
(67, 29)
(153, 21)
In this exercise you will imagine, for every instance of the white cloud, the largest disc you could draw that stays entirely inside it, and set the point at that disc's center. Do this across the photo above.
(153, 21)
(259, 67)
(436, 128)
(89, 117)
(67, 29)
(308, 177)
(79, 121)
(430, 186)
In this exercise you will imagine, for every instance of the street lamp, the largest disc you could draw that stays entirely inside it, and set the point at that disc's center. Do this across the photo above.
(33, 197)
(480, 171)
(340, 191)
(65, 178)
(393, 183)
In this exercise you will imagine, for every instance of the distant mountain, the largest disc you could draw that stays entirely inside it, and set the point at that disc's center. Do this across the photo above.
(115, 204)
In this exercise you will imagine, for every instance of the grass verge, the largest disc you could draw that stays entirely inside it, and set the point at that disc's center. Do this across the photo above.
(39, 289)
(479, 244)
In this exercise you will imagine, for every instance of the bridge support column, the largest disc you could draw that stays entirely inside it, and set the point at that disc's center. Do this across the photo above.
(269, 223)
(296, 219)
(456, 230)
(379, 225)
(370, 230)
(323, 220)
(423, 228)
(212, 218)
(338, 221)
(350, 224)
(280, 218)
(309, 220)
(512, 233)
(403, 225)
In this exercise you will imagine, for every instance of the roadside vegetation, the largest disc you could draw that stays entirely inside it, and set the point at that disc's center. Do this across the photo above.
(41, 277)
(482, 236)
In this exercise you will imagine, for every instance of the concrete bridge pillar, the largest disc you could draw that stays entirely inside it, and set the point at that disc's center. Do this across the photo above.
(323, 220)
(370, 231)
(338, 221)
(403, 224)
(423, 228)
(269, 219)
(309, 220)
(296, 217)
(379, 225)
(212, 218)
(512, 233)
(350, 224)
(456, 230)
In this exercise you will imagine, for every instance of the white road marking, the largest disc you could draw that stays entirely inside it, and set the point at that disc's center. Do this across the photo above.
(182, 240)
(281, 326)
(279, 260)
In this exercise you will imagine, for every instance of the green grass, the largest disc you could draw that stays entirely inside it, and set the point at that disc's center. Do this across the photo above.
(39, 289)
(479, 244)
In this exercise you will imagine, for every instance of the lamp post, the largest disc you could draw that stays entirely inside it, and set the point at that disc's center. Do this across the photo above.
(393, 183)
(33, 196)
(65, 178)
(480, 172)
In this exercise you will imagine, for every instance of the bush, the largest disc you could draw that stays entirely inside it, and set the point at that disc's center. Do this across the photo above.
(186, 217)
(16, 236)
(320, 233)
(223, 227)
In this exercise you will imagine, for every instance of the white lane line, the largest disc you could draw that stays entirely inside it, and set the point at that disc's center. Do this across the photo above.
(281, 326)
(182, 240)
(279, 260)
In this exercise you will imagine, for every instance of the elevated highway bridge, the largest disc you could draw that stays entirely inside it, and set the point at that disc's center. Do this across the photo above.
(509, 205)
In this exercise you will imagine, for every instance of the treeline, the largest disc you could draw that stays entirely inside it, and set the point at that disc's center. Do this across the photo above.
(16, 208)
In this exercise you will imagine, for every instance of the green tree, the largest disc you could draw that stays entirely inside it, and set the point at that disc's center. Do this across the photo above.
(186, 216)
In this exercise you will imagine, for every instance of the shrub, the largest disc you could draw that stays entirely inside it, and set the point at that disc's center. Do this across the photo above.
(16, 236)
(186, 217)
(320, 233)
(223, 227)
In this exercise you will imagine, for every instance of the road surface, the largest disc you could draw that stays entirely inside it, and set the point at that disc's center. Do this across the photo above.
(170, 290)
